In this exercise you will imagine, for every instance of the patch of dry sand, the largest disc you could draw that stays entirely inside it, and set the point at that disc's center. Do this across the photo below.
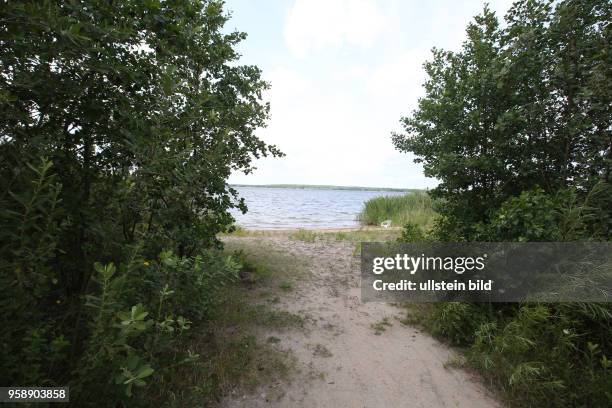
(342, 362)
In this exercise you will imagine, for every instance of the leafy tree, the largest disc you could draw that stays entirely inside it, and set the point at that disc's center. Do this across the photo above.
(517, 126)
(143, 112)
(518, 107)
(120, 122)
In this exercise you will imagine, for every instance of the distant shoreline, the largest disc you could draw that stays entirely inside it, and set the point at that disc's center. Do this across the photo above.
(326, 187)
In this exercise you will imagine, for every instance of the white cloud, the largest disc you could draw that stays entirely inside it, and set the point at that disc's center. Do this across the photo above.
(398, 80)
(331, 137)
(333, 112)
(312, 25)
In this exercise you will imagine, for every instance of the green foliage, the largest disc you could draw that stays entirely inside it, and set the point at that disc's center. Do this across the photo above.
(304, 235)
(416, 207)
(537, 216)
(120, 123)
(128, 344)
(545, 355)
(553, 355)
(411, 233)
(143, 112)
(528, 217)
(32, 344)
(381, 326)
(517, 128)
(520, 106)
(457, 321)
(286, 286)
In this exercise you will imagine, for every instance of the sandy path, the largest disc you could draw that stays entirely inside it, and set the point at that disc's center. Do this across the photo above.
(342, 362)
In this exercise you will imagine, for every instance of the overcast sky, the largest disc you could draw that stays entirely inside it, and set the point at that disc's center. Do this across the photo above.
(343, 73)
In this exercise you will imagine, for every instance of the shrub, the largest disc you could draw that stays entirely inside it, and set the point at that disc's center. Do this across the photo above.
(537, 216)
(457, 321)
(512, 168)
(547, 355)
(411, 233)
(137, 316)
(553, 355)
(140, 113)
(33, 343)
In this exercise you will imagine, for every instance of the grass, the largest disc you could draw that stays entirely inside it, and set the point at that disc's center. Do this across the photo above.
(230, 358)
(319, 350)
(286, 286)
(457, 361)
(416, 314)
(381, 326)
(366, 234)
(304, 235)
(266, 263)
(416, 208)
(532, 354)
(239, 231)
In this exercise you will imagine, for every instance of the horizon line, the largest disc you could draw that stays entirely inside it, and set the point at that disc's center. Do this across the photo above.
(330, 186)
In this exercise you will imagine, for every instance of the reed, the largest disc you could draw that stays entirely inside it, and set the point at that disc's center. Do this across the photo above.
(416, 208)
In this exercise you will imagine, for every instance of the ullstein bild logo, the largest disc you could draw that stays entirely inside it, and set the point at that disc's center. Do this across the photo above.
(487, 272)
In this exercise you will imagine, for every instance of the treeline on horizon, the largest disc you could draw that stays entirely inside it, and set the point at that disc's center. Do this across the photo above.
(517, 127)
(330, 187)
(120, 123)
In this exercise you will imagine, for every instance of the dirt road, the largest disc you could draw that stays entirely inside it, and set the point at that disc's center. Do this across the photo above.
(353, 354)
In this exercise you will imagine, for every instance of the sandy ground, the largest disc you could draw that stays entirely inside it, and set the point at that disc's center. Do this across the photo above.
(341, 361)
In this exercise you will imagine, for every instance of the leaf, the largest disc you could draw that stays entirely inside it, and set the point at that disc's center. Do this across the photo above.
(145, 371)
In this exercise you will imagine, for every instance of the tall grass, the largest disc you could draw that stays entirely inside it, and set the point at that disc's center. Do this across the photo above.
(414, 207)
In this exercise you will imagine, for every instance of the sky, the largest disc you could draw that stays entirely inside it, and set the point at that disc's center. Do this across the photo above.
(342, 74)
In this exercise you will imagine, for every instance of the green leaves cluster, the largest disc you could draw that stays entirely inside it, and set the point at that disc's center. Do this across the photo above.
(120, 122)
(143, 111)
(521, 105)
(517, 127)
(137, 321)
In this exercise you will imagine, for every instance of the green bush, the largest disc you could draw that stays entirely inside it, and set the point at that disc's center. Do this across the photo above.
(456, 321)
(537, 216)
(553, 355)
(411, 233)
(129, 342)
(549, 355)
(128, 321)
(33, 343)
(515, 126)
(120, 123)
(304, 235)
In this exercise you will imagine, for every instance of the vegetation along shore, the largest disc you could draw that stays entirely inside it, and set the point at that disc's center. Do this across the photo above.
(125, 277)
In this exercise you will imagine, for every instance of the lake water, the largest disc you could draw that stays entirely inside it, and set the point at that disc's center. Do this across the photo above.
(279, 208)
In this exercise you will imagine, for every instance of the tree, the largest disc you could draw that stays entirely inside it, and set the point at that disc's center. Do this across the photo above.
(517, 126)
(518, 107)
(120, 122)
(143, 112)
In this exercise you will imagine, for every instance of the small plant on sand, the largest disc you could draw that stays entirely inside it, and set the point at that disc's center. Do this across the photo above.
(286, 286)
(381, 326)
(273, 339)
(320, 350)
(304, 235)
